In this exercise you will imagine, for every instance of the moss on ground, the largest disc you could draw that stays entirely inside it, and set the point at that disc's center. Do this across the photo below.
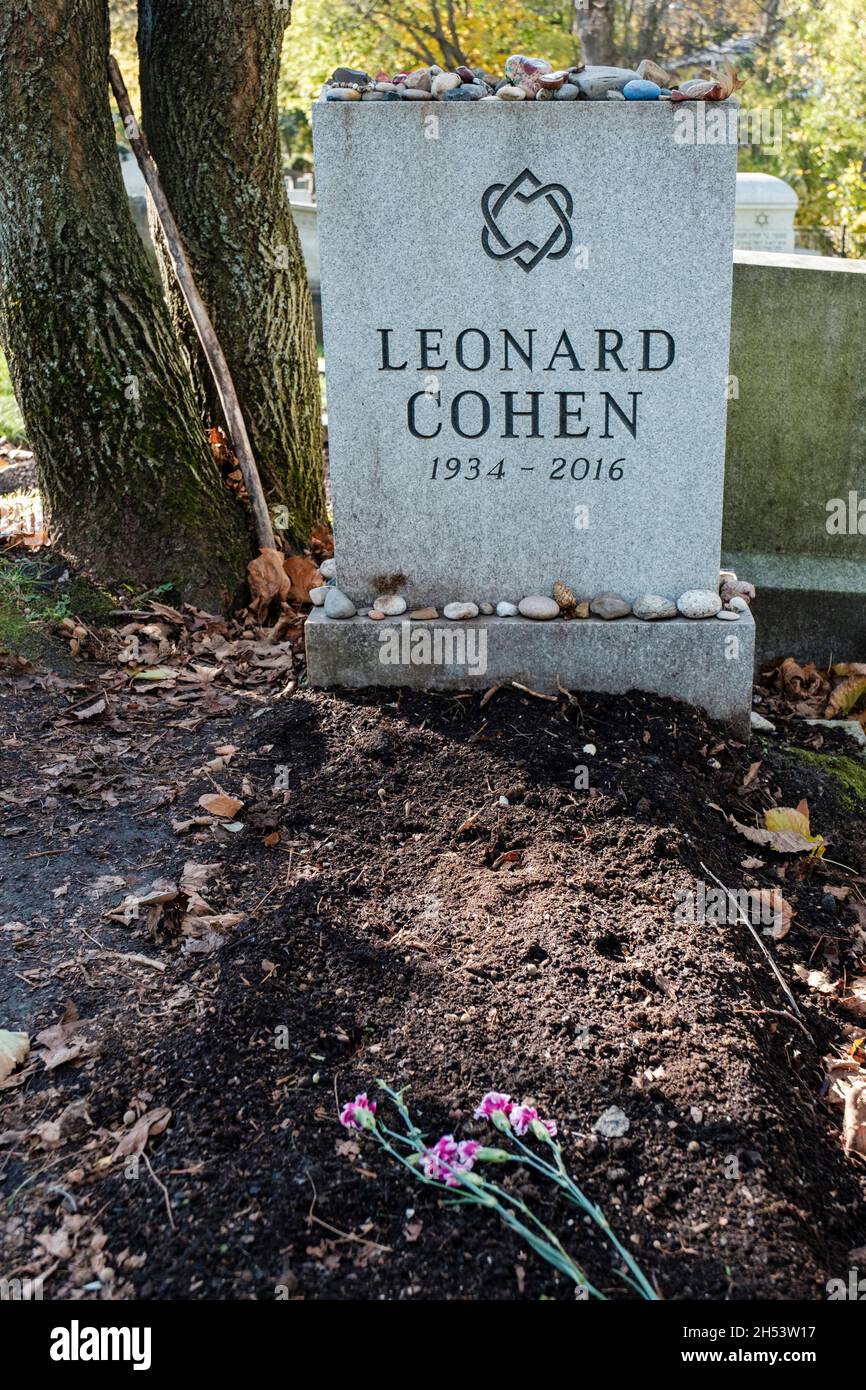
(848, 774)
(34, 599)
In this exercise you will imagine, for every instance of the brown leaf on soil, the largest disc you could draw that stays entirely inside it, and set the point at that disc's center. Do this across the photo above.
(206, 933)
(514, 857)
(14, 1048)
(98, 706)
(304, 575)
(854, 1120)
(784, 838)
(135, 1140)
(64, 1042)
(805, 687)
(267, 580)
(764, 901)
(220, 804)
(815, 979)
(842, 1074)
(750, 776)
(855, 998)
(846, 695)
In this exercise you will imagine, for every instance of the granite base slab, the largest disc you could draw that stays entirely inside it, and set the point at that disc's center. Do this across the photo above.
(706, 663)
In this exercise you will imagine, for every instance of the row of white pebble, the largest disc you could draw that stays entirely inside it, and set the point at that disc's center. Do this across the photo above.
(731, 600)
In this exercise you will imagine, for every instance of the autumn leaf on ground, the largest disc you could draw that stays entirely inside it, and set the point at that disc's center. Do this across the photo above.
(850, 668)
(855, 997)
(847, 694)
(135, 1140)
(64, 1042)
(267, 580)
(322, 541)
(304, 575)
(805, 686)
(750, 776)
(14, 1048)
(98, 706)
(768, 902)
(154, 675)
(511, 856)
(842, 1074)
(787, 831)
(220, 804)
(815, 979)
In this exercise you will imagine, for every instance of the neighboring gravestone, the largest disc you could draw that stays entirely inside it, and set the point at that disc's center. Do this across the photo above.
(766, 207)
(526, 317)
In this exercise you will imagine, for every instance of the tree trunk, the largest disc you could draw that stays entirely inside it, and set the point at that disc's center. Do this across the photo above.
(593, 23)
(209, 71)
(132, 489)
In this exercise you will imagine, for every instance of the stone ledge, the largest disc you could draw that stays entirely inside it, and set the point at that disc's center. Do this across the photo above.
(693, 661)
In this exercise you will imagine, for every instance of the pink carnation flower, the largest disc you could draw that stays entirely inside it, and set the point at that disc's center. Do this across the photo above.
(522, 1117)
(347, 1114)
(447, 1158)
(491, 1103)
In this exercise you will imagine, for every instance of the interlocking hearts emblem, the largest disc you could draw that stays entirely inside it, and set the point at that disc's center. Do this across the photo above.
(528, 253)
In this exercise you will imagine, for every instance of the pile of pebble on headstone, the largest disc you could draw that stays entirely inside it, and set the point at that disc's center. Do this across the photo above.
(530, 79)
(732, 598)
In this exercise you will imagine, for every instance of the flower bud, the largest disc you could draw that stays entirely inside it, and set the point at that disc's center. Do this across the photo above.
(540, 1130)
(493, 1156)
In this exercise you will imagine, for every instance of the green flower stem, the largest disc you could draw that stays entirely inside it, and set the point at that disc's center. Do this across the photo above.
(545, 1245)
(564, 1181)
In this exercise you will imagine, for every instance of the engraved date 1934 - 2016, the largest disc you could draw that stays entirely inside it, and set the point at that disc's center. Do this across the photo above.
(579, 470)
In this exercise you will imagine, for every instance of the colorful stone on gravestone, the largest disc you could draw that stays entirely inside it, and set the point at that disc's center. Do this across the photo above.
(641, 90)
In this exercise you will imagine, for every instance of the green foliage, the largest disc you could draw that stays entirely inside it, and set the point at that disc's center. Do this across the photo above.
(815, 75)
(395, 34)
(26, 606)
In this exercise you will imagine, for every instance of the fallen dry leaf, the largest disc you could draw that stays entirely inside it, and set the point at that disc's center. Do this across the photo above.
(842, 1073)
(750, 775)
(846, 695)
(855, 998)
(815, 979)
(98, 706)
(64, 1042)
(14, 1049)
(267, 579)
(787, 831)
(766, 902)
(304, 575)
(220, 804)
(135, 1139)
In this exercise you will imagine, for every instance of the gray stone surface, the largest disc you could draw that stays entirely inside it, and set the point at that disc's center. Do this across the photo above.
(652, 224)
(796, 451)
(705, 663)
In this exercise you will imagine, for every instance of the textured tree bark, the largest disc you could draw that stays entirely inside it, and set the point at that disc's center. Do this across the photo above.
(209, 72)
(133, 492)
(593, 23)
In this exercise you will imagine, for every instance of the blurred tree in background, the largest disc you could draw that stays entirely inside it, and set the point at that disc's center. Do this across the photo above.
(814, 75)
